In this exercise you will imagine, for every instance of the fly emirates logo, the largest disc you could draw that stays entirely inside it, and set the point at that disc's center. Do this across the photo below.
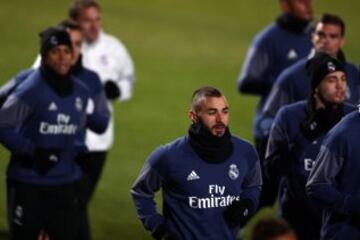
(217, 198)
(63, 126)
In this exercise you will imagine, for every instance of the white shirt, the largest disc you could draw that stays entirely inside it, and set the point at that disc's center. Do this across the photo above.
(108, 57)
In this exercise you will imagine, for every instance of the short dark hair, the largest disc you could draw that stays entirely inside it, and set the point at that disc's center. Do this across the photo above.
(69, 24)
(78, 5)
(200, 94)
(270, 228)
(327, 18)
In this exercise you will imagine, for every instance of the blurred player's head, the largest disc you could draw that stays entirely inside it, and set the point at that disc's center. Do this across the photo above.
(76, 37)
(56, 50)
(328, 35)
(328, 79)
(209, 107)
(302, 9)
(273, 229)
(87, 14)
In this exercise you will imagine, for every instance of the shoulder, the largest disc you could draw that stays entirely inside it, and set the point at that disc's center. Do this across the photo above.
(345, 129)
(80, 87)
(293, 71)
(112, 42)
(351, 69)
(297, 67)
(90, 79)
(348, 108)
(350, 65)
(246, 150)
(290, 116)
(293, 110)
(243, 145)
(28, 81)
(167, 151)
(266, 35)
(22, 75)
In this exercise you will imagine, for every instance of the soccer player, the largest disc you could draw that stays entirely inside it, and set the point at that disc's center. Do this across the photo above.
(295, 141)
(101, 111)
(101, 114)
(334, 180)
(40, 123)
(108, 57)
(293, 84)
(276, 47)
(210, 179)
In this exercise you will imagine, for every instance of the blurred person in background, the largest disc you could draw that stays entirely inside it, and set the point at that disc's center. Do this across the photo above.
(42, 132)
(295, 140)
(108, 57)
(293, 83)
(273, 229)
(275, 48)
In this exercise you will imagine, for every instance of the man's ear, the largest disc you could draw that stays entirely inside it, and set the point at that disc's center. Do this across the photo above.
(193, 117)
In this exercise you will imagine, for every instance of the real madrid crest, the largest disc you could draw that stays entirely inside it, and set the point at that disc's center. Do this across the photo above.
(78, 104)
(331, 66)
(233, 172)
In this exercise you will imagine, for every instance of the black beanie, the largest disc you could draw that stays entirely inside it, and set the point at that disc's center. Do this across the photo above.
(321, 65)
(53, 37)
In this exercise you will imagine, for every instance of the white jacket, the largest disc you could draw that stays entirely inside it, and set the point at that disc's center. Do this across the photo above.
(108, 57)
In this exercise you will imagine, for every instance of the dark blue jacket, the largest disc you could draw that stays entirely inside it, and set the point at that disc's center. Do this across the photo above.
(10, 86)
(273, 50)
(290, 158)
(33, 116)
(334, 180)
(99, 117)
(293, 85)
(195, 192)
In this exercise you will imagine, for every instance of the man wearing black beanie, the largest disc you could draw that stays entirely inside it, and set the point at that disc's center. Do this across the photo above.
(325, 104)
(296, 137)
(40, 124)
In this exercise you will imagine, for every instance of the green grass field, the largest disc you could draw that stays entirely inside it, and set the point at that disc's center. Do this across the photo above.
(177, 46)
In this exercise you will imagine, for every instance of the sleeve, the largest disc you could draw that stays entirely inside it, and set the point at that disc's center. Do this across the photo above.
(255, 77)
(251, 185)
(321, 184)
(6, 90)
(98, 113)
(11, 85)
(280, 95)
(147, 183)
(125, 78)
(277, 155)
(12, 115)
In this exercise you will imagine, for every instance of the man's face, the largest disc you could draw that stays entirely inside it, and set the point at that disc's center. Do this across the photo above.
(59, 59)
(332, 88)
(214, 114)
(327, 38)
(90, 22)
(76, 40)
(302, 9)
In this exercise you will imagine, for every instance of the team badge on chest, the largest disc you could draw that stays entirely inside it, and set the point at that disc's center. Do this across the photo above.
(233, 172)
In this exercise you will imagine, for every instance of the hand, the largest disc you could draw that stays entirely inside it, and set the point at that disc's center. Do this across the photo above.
(239, 212)
(162, 233)
(45, 159)
(112, 91)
